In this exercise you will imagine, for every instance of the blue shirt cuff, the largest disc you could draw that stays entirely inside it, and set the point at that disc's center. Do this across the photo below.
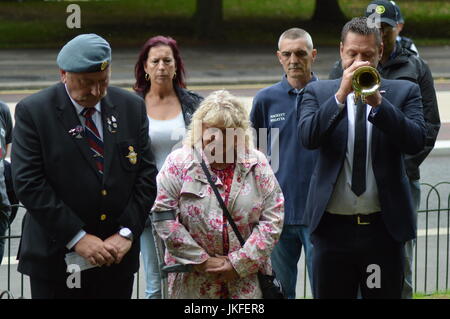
(76, 239)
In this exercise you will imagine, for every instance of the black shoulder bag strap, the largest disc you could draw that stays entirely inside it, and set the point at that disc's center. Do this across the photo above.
(270, 286)
(222, 204)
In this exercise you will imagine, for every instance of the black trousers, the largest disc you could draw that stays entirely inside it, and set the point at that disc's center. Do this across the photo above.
(348, 255)
(93, 284)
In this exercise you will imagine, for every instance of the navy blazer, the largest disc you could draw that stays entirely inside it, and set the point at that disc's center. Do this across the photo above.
(398, 129)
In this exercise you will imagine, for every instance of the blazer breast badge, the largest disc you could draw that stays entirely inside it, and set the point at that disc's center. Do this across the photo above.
(111, 122)
(77, 132)
(132, 155)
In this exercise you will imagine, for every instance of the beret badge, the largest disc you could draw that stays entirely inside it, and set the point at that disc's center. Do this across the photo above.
(104, 65)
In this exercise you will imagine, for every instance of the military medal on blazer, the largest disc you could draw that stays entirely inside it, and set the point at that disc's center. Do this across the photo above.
(129, 154)
(111, 122)
(127, 149)
(132, 155)
(77, 131)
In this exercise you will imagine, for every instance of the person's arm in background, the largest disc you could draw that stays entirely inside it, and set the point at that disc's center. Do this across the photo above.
(431, 117)
(5, 211)
(9, 129)
(6, 119)
(256, 119)
(336, 72)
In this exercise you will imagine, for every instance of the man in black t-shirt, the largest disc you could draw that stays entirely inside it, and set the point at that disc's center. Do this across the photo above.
(5, 141)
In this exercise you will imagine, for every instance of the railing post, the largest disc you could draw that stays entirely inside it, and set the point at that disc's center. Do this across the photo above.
(448, 241)
(9, 258)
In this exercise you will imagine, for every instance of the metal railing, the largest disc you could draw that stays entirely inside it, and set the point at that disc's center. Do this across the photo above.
(431, 253)
(7, 293)
(435, 260)
(431, 261)
(6, 290)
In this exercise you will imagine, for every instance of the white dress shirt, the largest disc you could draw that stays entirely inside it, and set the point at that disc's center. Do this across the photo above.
(343, 201)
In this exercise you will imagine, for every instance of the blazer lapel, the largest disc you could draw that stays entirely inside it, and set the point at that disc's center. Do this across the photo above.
(384, 89)
(70, 120)
(111, 125)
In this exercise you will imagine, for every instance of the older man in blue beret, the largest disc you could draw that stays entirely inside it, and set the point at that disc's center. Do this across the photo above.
(83, 168)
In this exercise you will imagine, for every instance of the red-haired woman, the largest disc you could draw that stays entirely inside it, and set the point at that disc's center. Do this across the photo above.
(160, 81)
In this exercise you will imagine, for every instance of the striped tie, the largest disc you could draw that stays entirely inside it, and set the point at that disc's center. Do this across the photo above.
(93, 138)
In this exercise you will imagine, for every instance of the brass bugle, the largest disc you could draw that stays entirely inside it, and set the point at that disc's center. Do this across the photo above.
(365, 81)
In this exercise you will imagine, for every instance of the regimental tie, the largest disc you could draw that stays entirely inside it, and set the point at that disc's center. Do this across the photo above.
(360, 150)
(93, 138)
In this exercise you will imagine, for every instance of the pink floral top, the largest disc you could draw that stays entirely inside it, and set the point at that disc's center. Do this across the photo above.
(254, 200)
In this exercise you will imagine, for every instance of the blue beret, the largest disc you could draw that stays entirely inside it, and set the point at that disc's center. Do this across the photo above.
(85, 53)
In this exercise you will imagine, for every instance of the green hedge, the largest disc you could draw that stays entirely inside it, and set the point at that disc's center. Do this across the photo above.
(42, 24)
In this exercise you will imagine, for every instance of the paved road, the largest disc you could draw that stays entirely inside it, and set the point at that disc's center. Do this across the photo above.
(247, 91)
(205, 65)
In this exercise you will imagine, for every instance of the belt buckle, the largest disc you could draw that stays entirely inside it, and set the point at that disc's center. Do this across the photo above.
(362, 223)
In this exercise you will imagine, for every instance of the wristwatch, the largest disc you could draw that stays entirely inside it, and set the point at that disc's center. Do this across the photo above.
(126, 233)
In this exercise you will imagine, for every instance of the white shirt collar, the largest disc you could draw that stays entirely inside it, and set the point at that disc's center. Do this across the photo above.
(79, 108)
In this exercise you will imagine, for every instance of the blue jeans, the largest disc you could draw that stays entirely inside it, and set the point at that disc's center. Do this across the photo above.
(407, 292)
(286, 255)
(151, 266)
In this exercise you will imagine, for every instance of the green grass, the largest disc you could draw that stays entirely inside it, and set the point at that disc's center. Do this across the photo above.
(437, 295)
(282, 9)
(42, 24)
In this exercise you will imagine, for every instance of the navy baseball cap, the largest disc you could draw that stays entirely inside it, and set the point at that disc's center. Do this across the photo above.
(399, 13)
(386, 10)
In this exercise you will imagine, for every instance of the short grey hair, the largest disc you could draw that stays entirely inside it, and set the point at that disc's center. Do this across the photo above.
(296, 33)
(360, 25)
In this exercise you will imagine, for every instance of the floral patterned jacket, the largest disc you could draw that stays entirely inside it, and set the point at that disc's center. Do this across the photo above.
(256, 204)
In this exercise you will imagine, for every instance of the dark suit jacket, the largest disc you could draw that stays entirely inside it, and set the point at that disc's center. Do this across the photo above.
(56, 179)
(398, 129)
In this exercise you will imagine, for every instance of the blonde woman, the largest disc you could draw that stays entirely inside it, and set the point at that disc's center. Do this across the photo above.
(199, 233)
